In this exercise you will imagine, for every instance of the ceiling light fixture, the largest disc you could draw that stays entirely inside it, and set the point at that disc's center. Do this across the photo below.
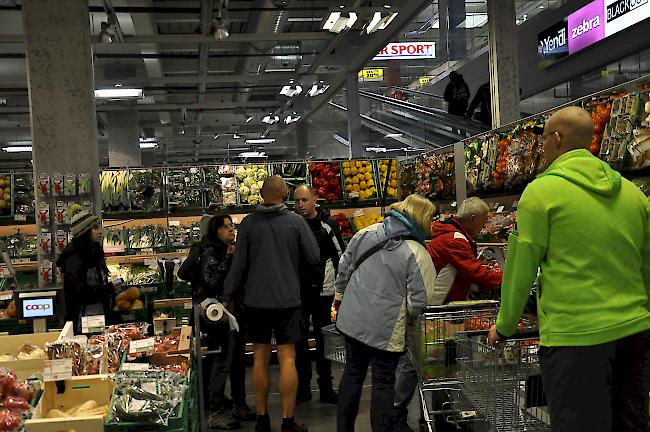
(253, 154)
(380, 22)
(216, 136)
(248, 119)
(316, 90)
(18, 149)
(290, 91)
(148, 145)
(235, 136)
(220, 30)
(291, 118)
(337, 21)
(260, 141)
(376, 149)
(393, 135)
(119, 93)
(271, 119)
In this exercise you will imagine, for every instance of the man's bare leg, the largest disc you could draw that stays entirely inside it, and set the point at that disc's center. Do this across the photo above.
(288, 379)
(261, 380)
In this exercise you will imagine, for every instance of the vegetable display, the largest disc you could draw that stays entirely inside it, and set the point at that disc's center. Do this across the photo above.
(361, 222)
(145, 189)
(15, 397)
(359, 180)
(391, 191)
(344, 225)
(5, 195)
(326, 180)
(250, 179)
(23, 194)
(185, 188)
(115, 190)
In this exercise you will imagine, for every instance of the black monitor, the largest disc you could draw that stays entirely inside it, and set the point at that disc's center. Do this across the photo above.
(36, 304)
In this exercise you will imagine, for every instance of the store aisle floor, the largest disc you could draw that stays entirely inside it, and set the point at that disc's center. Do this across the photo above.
(318, 417)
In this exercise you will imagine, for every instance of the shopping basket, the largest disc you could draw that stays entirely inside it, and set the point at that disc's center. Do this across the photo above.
(334, 344)
(504, 383)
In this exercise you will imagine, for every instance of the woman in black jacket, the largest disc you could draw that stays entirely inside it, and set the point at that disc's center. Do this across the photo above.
(217, 248)
(85, 275)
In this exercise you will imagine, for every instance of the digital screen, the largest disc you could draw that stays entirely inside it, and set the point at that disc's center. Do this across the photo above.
(38, 307)
(588, 25)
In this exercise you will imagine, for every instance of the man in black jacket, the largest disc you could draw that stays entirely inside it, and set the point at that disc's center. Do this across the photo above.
(318, 295)
(270, 244)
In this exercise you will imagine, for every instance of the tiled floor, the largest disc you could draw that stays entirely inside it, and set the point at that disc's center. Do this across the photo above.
(318, 417)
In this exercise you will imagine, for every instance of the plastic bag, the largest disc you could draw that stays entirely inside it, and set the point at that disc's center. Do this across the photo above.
(71, 348)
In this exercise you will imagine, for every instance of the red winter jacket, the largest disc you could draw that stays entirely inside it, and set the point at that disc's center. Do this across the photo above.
(453, 251)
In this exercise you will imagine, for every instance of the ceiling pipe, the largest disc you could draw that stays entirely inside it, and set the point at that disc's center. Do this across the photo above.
(271, 21)
(204, 54)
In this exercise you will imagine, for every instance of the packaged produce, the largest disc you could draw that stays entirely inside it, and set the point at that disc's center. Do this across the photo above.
(212, 187)
(361, 222)
(71, 349)
(148, 236)
(185, 188)
(384, 173)
(29, 351)
(326, 180)
(359, 180)
(23, 194)
(146, 397)
(145, 189)
(115, 190)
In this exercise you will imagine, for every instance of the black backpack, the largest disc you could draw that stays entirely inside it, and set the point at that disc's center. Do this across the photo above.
(191, 271)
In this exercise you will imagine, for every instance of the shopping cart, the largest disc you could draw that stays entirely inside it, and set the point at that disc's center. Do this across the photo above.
(432, 348)
(334, 344)
(504, 383)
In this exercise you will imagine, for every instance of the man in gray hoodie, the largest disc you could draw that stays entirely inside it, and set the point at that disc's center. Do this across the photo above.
(265, 273)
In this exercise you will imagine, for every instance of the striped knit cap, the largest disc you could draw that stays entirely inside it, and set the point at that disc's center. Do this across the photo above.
(82, 222)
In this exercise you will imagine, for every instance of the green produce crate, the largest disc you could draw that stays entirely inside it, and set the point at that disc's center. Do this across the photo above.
(179, 422)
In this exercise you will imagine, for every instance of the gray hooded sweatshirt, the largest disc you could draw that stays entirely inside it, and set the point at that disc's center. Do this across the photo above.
(270, 244)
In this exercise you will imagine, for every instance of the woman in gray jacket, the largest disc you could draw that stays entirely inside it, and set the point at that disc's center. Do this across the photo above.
(385, 280)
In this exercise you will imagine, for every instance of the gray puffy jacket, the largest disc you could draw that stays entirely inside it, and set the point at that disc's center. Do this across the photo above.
(388, 290)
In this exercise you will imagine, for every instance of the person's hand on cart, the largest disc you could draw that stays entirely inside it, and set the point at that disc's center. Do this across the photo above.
(494, 337)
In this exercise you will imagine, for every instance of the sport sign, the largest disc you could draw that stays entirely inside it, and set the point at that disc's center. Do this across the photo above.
(407, 51)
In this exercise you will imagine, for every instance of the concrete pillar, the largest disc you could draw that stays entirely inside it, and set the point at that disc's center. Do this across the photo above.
(460, 173)
(457, 35)
(302, 140)
(61, 99)
(354, 114)
(442, 48)
(504, 67)
(124, 139)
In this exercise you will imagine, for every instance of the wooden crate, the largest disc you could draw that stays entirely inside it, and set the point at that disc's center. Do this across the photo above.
(77, 390)
(12, 343)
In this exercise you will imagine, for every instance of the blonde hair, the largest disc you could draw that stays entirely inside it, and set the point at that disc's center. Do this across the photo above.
(472, 207)
(418, 208)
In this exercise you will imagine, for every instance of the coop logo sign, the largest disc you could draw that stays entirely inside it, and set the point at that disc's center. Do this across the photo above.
(589, 24)
(35, 308)
(407, 51)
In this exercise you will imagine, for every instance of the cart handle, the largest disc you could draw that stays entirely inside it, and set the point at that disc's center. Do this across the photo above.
(532, 333)
(463, 306)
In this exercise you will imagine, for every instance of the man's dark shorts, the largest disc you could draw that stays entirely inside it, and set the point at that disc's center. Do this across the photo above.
(286, 324)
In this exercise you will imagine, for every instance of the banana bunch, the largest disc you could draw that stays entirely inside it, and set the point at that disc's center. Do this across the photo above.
(114, 185)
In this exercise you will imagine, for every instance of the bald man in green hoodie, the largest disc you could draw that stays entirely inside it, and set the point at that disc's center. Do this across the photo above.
(588, 230)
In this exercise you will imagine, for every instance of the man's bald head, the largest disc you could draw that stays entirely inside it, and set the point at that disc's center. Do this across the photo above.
(568, 129)
(274, 190)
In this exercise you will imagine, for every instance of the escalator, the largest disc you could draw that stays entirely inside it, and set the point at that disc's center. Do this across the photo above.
(424, 125)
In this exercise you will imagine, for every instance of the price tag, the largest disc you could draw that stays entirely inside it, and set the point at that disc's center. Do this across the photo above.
(21, 261)
(135, 366)
(500, 209)
(181, 251)
(142, 345)
(93, 324)
(358, 212)
(174, 223)
(188, 305)
(20, 218)
(6, 295)
(57, 370)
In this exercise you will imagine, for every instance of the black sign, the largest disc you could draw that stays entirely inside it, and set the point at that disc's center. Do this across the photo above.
(553, 44)
(622, 7)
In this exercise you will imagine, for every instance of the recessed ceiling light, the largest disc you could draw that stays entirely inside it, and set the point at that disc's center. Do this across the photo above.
(119, 93)
(248, 119)
(260, 141)
(17, 149)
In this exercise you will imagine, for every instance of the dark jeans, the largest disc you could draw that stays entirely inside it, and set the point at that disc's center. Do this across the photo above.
(319, 311)
(358, 357)
(601, 388)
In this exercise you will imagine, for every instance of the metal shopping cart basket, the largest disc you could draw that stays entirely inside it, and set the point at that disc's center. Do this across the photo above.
(334, 344)
(504, 383)
(432, 348)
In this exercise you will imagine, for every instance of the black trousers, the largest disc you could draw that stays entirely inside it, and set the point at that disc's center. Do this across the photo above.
(601, 388)
(358, 357)
(318, 310)
(238, 364)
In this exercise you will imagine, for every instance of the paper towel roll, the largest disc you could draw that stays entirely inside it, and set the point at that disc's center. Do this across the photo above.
(214, 312)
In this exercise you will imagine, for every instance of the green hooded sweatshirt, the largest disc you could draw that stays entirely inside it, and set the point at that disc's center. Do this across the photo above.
(588, 229)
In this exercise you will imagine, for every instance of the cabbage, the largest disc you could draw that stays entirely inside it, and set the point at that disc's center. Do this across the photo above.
(254, 199)
(261, 174)
(255, 189)
(240, 172)
(244, 190)
(248, 181)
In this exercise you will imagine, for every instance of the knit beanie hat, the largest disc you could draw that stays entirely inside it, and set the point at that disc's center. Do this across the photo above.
(81, 220)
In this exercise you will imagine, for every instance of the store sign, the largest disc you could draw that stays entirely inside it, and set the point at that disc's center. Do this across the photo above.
(37, 308)
(588, 25)
(407, 51)
(371, 75)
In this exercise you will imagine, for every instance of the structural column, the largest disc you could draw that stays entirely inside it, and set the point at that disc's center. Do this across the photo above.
(442, 48)
(354, 114)
(62, 111)
(123, 139)
(302, 140)
(457, 38)
(504, 67)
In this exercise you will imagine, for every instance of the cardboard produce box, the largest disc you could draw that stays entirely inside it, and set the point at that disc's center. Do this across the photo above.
(11, 344)
(76, 391)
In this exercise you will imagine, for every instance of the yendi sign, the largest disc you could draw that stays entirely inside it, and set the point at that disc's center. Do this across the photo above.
(407, 51)
(588, 25)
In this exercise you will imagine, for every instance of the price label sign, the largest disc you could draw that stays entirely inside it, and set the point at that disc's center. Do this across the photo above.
(20, 218)
(140, 346)
(500, 209)
(57, 370)
(6, 295)
(93, 324)
(135, 366)
(174, 223)
(188, 306)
